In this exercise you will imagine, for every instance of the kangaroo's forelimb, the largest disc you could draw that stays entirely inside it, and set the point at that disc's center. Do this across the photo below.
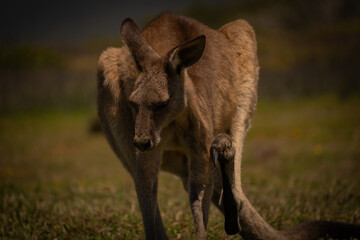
(221, 150)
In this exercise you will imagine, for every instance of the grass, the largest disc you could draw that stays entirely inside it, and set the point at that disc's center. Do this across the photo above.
(301, 162)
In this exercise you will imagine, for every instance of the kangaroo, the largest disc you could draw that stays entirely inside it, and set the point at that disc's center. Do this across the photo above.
(179, 97)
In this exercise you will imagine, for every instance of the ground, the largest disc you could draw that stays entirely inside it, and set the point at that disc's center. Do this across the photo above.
(57, 181)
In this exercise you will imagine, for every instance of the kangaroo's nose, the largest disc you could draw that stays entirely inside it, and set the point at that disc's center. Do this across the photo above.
(143, 144)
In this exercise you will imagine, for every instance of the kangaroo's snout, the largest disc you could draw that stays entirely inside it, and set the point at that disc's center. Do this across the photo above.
(144, 130)
(143, 143)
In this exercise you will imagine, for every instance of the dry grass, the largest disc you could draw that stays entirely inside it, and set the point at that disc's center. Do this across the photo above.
(301, 161)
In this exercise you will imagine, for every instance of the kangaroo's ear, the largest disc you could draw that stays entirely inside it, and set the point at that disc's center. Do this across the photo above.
(140, 49)
(187, 54)
(131, 33)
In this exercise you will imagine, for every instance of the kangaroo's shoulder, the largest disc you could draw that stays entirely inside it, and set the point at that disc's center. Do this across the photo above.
(116, 61)
(116, 71)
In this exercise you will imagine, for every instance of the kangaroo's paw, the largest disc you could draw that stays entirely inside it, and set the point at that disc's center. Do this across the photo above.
(221, 150)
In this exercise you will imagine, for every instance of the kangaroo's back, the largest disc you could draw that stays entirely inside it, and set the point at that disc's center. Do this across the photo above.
(168, 31)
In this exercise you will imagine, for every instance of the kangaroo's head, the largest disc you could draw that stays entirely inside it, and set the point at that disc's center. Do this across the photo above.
(158, 94)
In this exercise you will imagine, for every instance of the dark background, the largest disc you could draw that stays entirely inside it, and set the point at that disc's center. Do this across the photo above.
(48, 50)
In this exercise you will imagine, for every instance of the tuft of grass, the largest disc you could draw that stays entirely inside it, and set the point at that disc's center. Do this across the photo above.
(301, 162)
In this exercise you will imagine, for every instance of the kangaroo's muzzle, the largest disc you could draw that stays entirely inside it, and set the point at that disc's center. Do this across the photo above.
(144, 130)
(143, 143)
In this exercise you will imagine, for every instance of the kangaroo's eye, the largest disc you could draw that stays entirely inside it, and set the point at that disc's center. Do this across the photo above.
(161, 105)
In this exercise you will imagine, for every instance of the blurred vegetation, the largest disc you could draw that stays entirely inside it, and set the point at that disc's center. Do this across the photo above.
(29, 57)
(34, 77)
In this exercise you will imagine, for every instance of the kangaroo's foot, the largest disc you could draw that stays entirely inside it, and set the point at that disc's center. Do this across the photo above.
(222, 152)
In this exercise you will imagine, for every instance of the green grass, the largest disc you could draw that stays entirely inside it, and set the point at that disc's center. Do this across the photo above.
(301, 162)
